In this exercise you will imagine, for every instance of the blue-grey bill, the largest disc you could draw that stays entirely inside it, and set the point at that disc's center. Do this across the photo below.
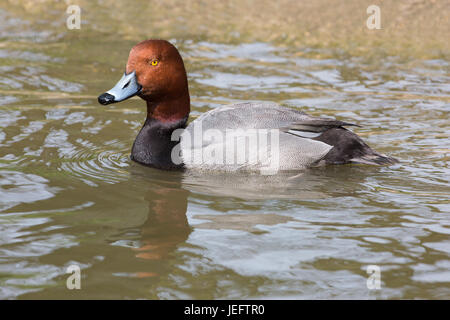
(127, 87)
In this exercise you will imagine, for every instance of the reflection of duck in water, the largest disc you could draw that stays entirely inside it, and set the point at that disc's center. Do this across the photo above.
(166, 225)
(315, 183)
(155, 72)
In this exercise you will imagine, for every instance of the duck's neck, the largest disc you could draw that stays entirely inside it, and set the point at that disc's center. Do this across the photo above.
(153, 145)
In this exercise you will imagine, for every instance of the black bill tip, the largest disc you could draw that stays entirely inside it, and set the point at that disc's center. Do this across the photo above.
(106, 98)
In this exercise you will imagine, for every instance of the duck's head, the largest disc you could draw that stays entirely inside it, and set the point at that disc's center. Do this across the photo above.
(155, 72)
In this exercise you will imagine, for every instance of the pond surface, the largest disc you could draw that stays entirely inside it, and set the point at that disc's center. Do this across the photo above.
(69, 194)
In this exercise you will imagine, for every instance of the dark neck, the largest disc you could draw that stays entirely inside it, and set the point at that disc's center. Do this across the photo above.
(153, 145)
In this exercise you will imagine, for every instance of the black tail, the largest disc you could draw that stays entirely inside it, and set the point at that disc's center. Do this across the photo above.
(375, 158)
(349, 148)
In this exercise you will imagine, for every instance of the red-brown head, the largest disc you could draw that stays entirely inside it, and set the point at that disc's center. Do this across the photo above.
(155, 72)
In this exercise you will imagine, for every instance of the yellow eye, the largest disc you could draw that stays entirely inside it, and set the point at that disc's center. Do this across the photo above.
(154, 62)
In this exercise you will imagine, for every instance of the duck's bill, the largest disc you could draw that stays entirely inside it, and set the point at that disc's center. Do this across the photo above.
(127, 87)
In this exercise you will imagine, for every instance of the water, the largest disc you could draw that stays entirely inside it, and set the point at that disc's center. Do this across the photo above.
(70, 195)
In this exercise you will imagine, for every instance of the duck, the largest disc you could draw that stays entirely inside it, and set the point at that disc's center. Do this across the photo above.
(286, 138)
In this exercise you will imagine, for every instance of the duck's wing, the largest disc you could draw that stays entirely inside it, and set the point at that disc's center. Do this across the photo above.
(315, 124)
(249, 115)
(265, 115)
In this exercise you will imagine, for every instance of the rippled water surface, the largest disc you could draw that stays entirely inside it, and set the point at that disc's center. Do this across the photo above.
(69, 193)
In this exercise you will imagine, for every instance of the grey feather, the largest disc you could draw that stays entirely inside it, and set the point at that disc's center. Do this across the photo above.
(314, 124)
(304, 140)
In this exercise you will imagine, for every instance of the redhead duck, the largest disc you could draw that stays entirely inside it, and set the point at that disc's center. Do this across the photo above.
(155, 72)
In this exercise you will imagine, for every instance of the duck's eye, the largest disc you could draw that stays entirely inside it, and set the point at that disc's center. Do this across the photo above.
(154, 62)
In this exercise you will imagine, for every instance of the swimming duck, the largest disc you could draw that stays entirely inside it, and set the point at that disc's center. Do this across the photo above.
(155, 72)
